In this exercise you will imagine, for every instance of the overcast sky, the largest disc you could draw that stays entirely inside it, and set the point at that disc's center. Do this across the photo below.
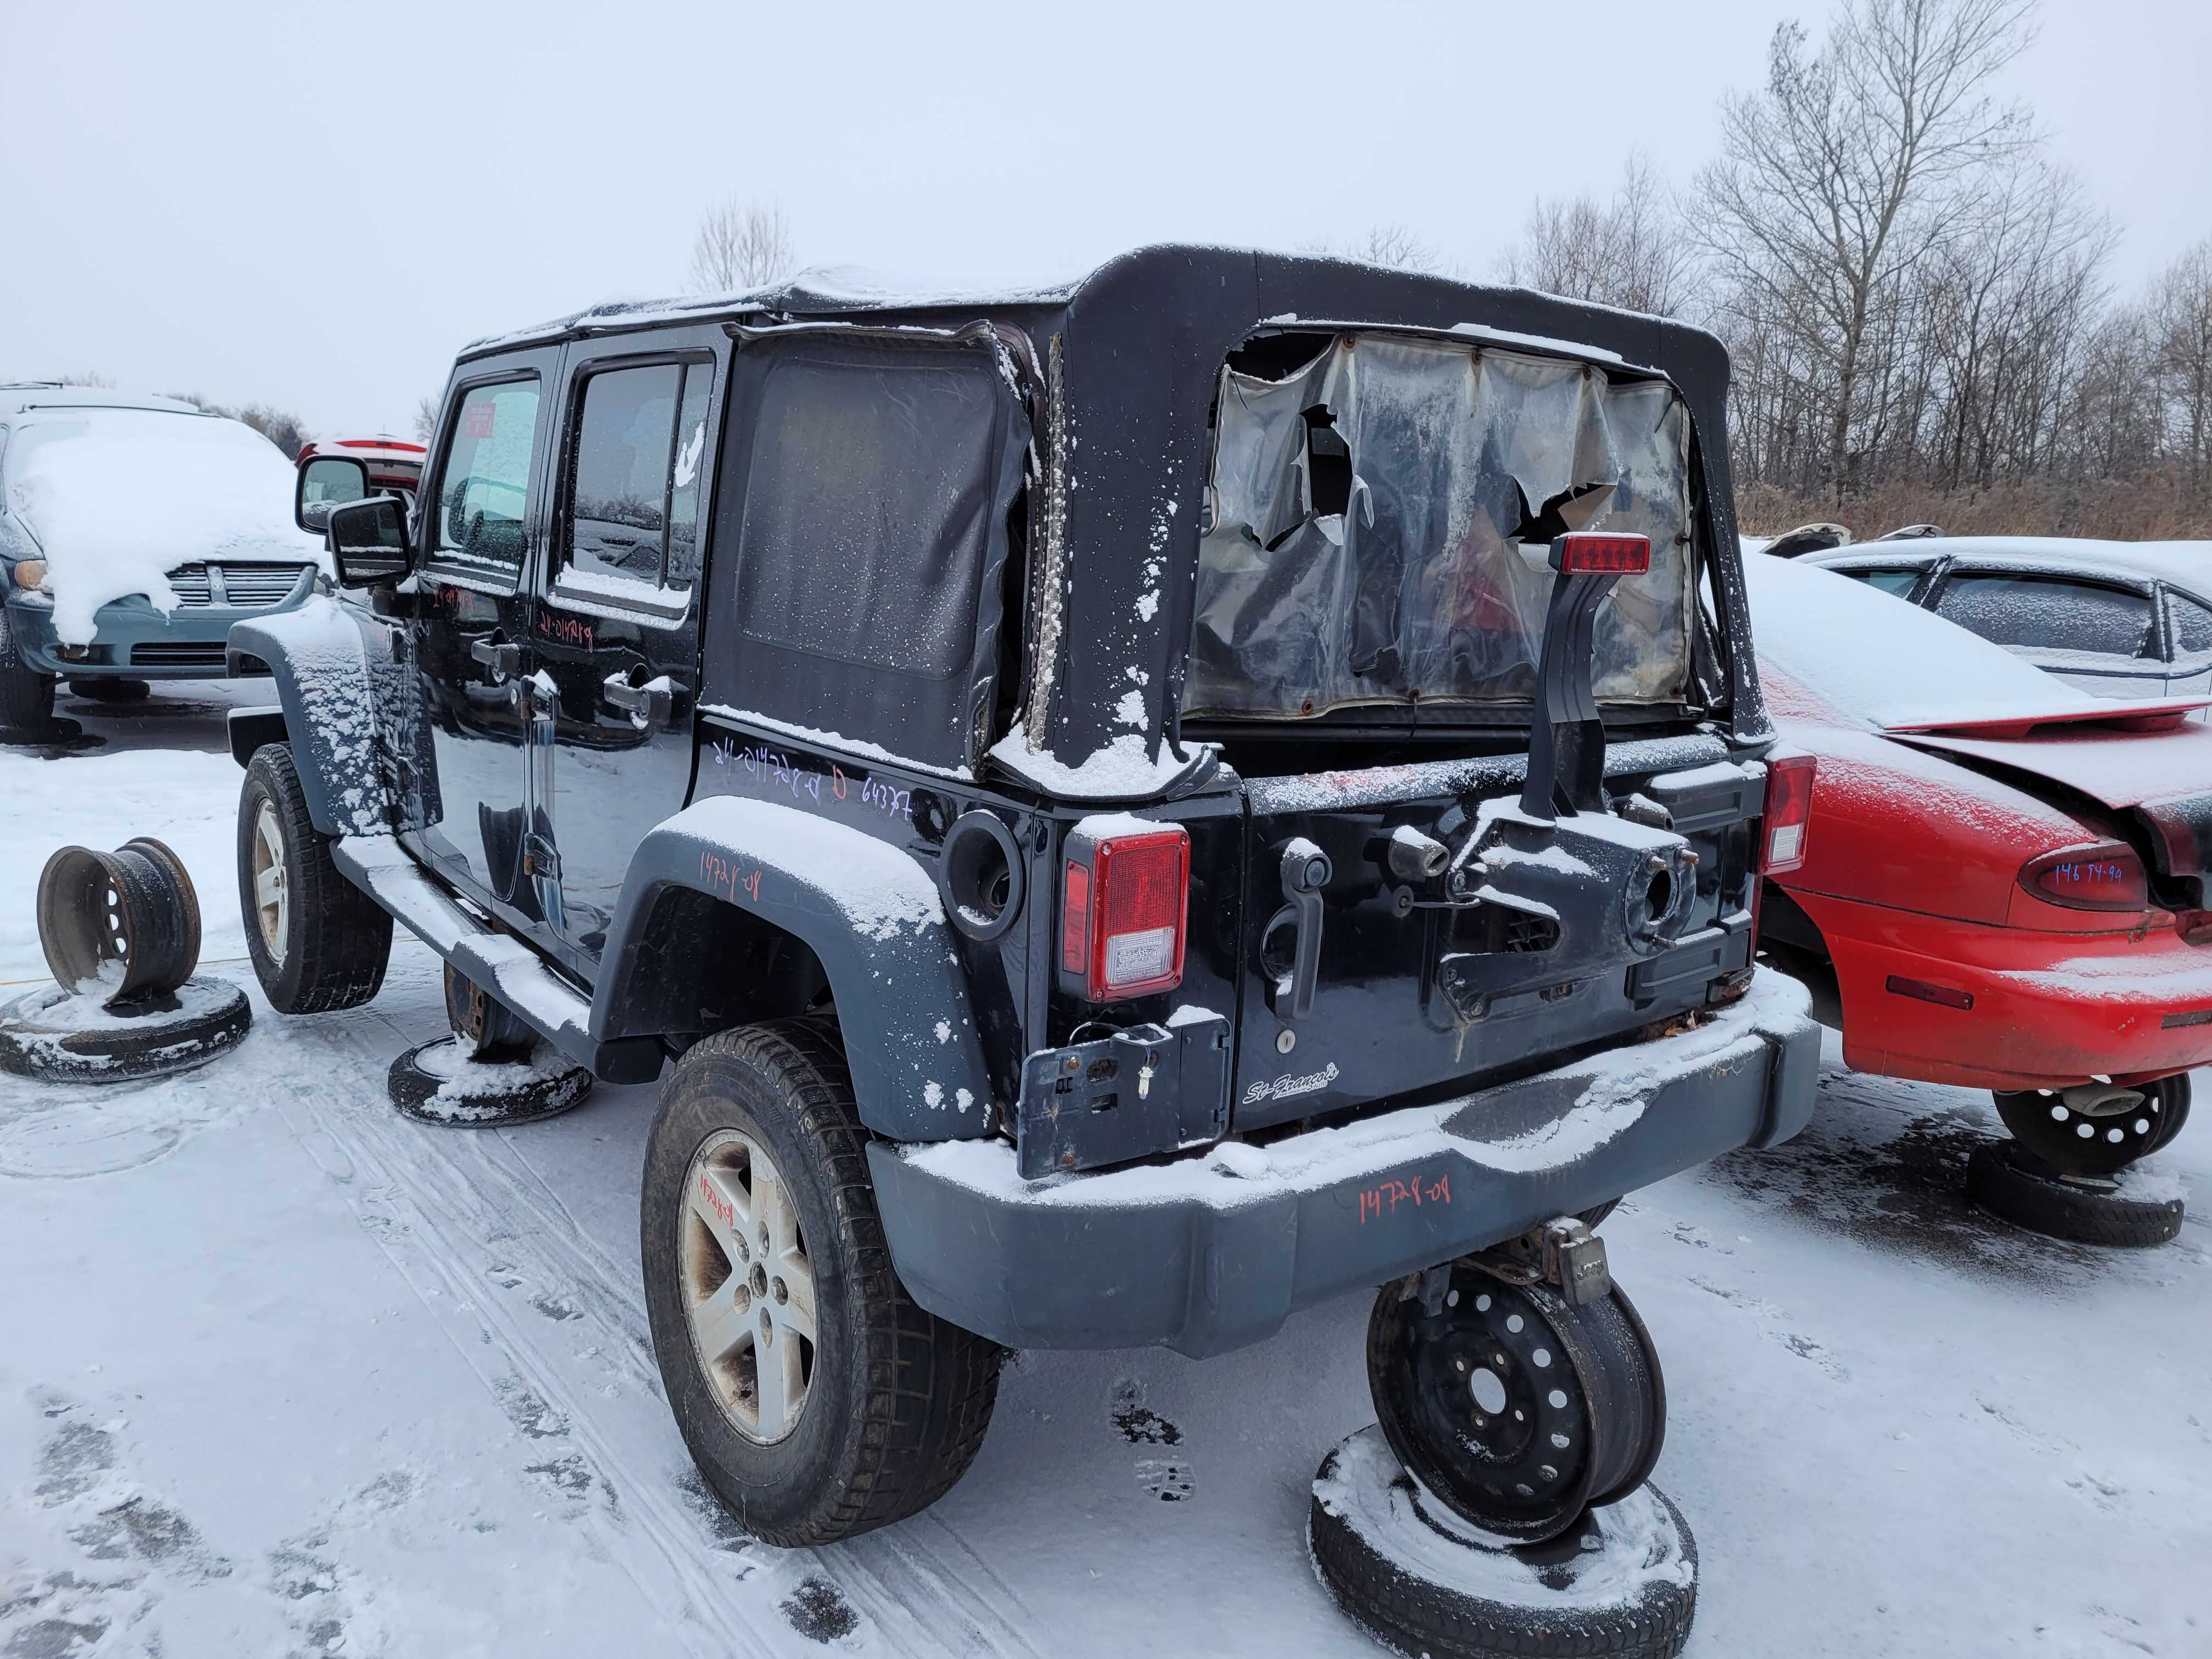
(314, 206)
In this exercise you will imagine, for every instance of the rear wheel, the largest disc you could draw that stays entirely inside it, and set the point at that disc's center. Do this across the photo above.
(817, 1399)
(318, 943)
(27, 697)
(2098, 1130)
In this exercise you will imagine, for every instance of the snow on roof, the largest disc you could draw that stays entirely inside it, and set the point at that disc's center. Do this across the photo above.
(116, 498)
(2188, 563)
(18, 396)
(1885, 659)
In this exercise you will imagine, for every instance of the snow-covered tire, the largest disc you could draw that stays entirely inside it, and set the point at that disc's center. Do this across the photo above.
(2007, 1182)
(52, 1034)
(27, 697)
(757, 1130)
(440, 1082)
(1408, 1572)
(318, 943)
(105, 688)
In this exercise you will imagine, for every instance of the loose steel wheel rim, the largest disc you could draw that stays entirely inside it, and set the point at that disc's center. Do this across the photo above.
(272, 897)
(1515, 1410)
(127, 921)
(748, 1286)
(2097, 1142)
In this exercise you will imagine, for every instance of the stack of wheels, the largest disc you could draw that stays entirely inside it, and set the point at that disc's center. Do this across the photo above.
(484, 1075)
(121, 932)
(2069, 1170)
(1500, 1503)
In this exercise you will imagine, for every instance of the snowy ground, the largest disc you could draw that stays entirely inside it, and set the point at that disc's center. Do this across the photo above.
(283, 1373)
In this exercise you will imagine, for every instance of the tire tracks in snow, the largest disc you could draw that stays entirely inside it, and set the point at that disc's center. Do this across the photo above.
(497, 1258)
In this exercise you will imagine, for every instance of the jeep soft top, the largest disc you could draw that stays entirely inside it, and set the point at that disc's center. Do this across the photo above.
(1154, 803)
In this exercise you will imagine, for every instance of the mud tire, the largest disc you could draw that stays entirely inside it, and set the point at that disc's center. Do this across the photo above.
(898, 1400)
(2007, 1182)
(334, 939)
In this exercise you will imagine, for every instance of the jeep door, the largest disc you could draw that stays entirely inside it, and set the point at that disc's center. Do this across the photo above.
(482, 517)
(614, 628)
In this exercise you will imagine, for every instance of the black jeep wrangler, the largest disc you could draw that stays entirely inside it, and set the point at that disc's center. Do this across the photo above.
(1132, 809)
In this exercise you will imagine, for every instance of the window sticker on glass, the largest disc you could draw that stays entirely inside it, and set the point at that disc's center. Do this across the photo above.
(478, 420)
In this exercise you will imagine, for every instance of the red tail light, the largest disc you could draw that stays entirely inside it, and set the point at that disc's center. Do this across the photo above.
(1125, 903)
(1596, 553)
(2101, 876)
(1786, 830)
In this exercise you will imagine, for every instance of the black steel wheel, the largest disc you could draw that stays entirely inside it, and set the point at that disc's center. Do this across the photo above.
(2094, 1137)
(1515, 1410)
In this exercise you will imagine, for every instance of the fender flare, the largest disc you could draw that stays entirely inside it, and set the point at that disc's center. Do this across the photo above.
(870, 913)
(318, 659)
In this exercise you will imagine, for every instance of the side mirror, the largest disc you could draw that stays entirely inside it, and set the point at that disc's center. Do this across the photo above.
(369, 541)
(324, 483)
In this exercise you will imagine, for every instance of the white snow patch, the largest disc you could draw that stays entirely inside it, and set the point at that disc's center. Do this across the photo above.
(118, 497)
(1124, 769)
(882, 891)
(837, 740)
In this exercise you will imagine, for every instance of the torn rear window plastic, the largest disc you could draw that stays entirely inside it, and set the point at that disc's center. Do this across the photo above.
(1378, 521)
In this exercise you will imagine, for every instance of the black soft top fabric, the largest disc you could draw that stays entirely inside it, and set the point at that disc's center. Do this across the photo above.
(861, 538)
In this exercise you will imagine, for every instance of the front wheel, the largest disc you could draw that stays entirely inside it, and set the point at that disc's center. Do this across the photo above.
(318, 943)
(27, 697)
(819, 1400)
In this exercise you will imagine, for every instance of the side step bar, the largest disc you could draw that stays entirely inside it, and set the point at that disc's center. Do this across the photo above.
(493, 959)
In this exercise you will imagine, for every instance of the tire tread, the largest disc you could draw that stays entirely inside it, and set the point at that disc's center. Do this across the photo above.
(342, 937)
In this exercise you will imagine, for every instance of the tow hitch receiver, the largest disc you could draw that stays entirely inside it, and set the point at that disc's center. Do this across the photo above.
(1149, 1089)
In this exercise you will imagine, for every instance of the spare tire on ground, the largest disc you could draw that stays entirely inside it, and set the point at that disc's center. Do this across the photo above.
(1623, 1581)
(62, 1035)
(437, 1082)
(2133, 1207)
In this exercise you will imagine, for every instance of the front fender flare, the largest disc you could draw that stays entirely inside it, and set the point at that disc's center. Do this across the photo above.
(320, 661)
(872, 916)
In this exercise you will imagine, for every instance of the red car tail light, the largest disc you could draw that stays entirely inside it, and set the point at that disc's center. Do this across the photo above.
(1786, 826)
(2103, 875)
(1125, 903)
(1596, 553)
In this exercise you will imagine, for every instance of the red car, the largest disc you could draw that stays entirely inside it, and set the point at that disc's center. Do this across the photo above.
(2004, 882)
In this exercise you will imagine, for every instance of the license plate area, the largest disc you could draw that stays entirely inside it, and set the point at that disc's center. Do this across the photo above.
(1147, 1090)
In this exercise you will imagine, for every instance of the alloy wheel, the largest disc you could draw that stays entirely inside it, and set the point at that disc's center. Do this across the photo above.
(748, 1290)
(272, 899)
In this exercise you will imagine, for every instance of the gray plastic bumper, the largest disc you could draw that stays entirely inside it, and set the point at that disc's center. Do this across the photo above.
(1213, 1251)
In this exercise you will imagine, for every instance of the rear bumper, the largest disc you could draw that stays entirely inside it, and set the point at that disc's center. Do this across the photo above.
(2049, 1009)
(133, 641)
(1213, 1251)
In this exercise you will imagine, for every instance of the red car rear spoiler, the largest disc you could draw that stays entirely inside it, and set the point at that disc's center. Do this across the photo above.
(2162, 716)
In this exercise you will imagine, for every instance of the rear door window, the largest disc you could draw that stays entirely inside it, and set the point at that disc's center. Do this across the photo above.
(2046, 613)
(632, 527)
(2192, 629)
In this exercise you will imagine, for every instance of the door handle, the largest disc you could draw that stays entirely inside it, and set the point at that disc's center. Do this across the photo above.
(1305, 872)
(650, 704)
(502, 659)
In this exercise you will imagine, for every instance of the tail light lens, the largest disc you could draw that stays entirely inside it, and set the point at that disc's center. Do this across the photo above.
(2104, 875)
(1595, 553)
(1125, 901)
(1785, 829)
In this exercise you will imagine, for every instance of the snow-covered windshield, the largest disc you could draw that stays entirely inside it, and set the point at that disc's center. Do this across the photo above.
(1885, 661)
(118, 497)
(1379, 517)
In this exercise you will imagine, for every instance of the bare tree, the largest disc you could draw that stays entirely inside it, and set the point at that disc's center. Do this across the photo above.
(426, 417)
(2180, 321)
(1632, 251)
(287, 431)
(1394, 246)
(742, 244)
(1839, 181)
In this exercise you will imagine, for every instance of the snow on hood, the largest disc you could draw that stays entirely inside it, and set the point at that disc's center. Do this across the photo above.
(1885, 659)
(117, 497)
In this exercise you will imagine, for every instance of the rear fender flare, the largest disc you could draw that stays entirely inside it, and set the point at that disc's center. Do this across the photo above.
(870, 913)
(319, 661)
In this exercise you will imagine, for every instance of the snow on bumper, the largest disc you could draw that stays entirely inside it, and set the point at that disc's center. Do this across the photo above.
(1212, 1251)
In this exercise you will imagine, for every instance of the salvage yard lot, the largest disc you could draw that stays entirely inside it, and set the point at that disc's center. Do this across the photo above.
(285, 1373)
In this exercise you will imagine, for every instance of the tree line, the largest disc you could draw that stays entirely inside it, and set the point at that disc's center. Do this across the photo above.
(1917, 297)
